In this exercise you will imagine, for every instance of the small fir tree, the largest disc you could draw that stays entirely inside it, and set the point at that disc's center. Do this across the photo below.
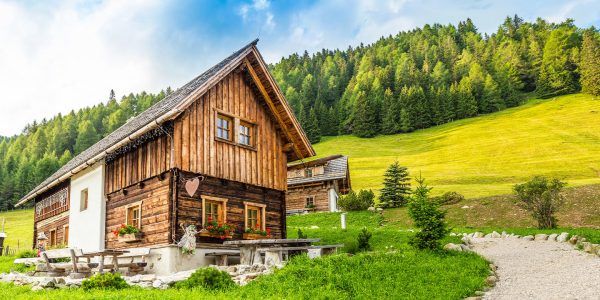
(396, 186)
(427, 217)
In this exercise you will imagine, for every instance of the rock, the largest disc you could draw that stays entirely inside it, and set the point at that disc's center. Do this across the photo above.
(563, 237)
(573, 240)
(552, 237)
(541, 237)
(134, 279)
(314, 227)
(379, 209)
(61, 286)
(473, 298)
(145, 284)
(157, 283)
(451, 246)
(528, 238)
(371, 208)
(36, 288)
(452, 234)
(465, 207)
(493, 267)
(466, 240)
(47, 282)
(491, 280)
(231, 269)
(73, 282)
(590, 248)
(478, 235)
(488, 236)
(495, 235)
(465, 248)
(148, 277)
(479, 293)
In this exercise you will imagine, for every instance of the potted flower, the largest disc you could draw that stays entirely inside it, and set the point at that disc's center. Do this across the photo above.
(216, 229)
(128, 234)
(256, 233)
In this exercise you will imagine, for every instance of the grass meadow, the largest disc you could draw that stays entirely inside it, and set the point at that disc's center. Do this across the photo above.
(486, 155)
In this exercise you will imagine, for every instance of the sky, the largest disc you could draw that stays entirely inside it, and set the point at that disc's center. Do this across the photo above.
(58, 56)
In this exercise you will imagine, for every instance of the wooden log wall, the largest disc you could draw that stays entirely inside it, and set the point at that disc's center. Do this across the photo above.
(148, 160)
(155, 195)
(189, 207)
(296, 196)
(197, 151)
(58, 223)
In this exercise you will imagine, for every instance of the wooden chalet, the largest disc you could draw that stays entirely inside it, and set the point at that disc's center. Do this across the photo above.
(216, 148)
(316, 185)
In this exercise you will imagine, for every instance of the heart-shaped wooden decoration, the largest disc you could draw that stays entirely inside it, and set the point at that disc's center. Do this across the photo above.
(191, 186)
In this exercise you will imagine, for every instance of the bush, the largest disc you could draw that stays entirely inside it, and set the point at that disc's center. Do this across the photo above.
(363, 240)
(104, 281)
(351, 247)
(353, 202)
(427, 217)
(207, 278)
(449, 198)
(541, 197)
(27, 253)
(302, 235)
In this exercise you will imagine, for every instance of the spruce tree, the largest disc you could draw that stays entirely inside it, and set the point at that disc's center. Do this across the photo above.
(86, 136)
(558, 71)
(396, 186)
(491, 100)
(590, 62)
(365, 116)
(312, 127)
(391, 113)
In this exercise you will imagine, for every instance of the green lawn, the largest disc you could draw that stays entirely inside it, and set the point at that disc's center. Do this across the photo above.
(392, 271)
(18, 225)
(486, 155)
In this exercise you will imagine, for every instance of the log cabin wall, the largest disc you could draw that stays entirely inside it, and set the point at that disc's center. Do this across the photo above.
(154, 195)
(296, 196)
(189, 207)
(148, 160)
(51, 212)
(198, 151)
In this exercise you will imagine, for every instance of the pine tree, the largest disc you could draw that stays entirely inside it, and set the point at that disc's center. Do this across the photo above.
(491, 100)
(405, 125)
(391, 114)
(312, 127)
(365, 116)
(466, 105)
(86, 137)
(396, 186)
(590, 62)
(558, 71)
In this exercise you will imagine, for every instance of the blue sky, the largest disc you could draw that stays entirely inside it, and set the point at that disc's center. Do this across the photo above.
(58, 56)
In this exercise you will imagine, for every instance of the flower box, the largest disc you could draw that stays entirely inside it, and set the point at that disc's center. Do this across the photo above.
(207, 233)
(131, 237)
(254, 236)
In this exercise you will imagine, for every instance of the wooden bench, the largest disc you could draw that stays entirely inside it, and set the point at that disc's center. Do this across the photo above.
(61, 269)
(134, 260)
(276, 255)
(221, 258)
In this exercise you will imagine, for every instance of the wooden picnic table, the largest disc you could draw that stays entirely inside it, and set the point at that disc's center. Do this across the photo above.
(248, 248)
(104, 253)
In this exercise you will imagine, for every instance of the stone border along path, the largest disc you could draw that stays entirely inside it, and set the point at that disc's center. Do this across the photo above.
(536, 267)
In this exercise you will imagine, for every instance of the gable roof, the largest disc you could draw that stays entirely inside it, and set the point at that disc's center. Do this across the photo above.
(175, 103)
(336, 167)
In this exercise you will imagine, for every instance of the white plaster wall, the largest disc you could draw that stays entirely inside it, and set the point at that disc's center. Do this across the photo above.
(86, 228)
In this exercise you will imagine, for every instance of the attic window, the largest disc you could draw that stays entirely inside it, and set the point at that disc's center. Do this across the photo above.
(224, 124)
(308, 173)
(246, 133)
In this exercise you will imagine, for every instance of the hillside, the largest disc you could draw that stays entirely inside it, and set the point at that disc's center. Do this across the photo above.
(487, 155)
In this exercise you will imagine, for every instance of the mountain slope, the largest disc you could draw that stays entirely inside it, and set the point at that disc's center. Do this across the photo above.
(487, 155)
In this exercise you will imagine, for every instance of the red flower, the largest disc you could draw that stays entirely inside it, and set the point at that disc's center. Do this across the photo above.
(122, 225)
(222, 237)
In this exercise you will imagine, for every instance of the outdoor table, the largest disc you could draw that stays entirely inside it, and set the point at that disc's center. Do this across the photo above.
(249, 255)
(106, 252)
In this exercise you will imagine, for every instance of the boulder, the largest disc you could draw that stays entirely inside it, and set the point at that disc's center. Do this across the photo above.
(314, 227)
(371, 208)
(466, 240)
(379, 209)
(478, 234)
(504, 234)
(589, 247)
(541, 237)
(452, 234)
(573, 240)
(563, 237)
(157, 283)
(528, 238)
(464, 248)
(495, 235)
(36, 288)
(148, 277)
(47, 282)
(552, 237)
(491, 280)
(451, 246)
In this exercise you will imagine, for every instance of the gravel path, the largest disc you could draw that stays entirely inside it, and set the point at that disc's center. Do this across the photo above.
(540, 269)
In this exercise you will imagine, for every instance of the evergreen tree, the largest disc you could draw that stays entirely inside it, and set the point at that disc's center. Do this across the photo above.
(590, 62)
(312, 127)
(466, 104)
(86, 137)
(558, 71)
(396, 186)
(391, 114)
(365, 116)
(491, 100)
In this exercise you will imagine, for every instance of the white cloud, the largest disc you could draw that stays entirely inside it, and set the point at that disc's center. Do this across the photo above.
(55, 59)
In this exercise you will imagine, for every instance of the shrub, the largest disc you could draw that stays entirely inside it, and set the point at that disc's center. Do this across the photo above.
(302, 235)
(449, 198)
(351, 247)
(541, 197)
(396, 186)
(207, 278)
(427, 217)
(27, 253)
(104, 281)
(352, 201)
(363, 240)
